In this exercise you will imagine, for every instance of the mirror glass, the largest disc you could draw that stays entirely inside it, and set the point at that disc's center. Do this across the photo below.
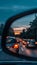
(22, 36)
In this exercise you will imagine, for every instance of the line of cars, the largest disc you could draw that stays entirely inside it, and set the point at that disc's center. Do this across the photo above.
(14, 43)
(29, 43)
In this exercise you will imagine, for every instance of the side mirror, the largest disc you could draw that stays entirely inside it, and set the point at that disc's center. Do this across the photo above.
(18, 43)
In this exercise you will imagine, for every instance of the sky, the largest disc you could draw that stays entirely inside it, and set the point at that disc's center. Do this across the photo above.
(9, 8)
(24, 21)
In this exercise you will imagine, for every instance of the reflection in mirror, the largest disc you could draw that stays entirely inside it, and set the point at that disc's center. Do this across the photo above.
(22, 36)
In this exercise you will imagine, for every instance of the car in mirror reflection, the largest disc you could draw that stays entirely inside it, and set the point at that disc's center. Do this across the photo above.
(23, 47)
(31, 43)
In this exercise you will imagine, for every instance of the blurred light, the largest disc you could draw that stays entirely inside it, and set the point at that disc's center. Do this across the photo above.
(24, 42)
(35, 42)
(16, 46)
(27, 42)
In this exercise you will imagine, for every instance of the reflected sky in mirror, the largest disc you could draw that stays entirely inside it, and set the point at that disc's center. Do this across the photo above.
(24, 21)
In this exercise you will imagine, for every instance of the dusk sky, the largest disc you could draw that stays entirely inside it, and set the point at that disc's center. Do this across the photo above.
(9, 8)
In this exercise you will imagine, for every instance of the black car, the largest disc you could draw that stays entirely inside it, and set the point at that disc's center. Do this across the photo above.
(10, 41)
